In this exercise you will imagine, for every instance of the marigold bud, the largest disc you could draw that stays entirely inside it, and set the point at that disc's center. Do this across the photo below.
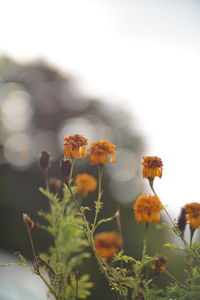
(45, 160)
(27, 220)
(159, 265)
(182, 221)
(65, 167)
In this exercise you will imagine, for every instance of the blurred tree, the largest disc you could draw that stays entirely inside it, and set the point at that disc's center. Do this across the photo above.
(38, 106)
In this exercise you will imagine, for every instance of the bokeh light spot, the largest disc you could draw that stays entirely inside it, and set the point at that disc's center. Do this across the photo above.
(19, 150)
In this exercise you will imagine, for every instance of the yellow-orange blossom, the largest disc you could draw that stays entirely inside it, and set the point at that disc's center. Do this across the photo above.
(85, 184)
(152, 167)
(75, 146)
(193, 214)
(147, 209)
(107, 243)
(99, 151)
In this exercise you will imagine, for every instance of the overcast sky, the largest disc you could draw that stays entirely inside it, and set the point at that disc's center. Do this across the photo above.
(144, 54)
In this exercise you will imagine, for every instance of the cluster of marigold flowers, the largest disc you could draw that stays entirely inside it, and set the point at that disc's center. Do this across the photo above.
(146, 208)
(106, 243)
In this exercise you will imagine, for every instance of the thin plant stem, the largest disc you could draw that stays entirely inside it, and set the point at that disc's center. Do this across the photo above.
(78, 206)
(89, 234)
(192, 230)
(174, 278)
(100, 175)
(71, 170)
(119, 226)
(152, 187)
(33, 249)
(49, 286)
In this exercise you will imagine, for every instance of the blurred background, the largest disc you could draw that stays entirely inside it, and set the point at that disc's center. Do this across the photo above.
(125, 71)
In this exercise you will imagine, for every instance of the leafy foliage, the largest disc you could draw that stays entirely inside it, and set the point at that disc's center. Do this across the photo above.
(69, 249)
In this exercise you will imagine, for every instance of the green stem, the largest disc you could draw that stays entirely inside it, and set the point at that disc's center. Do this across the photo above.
(49, 287)
(174, 279)
(71, 170)
(139, 271)
(79, 208)
(119, 225)
(100, 175)
(33, 249)
(192, 230)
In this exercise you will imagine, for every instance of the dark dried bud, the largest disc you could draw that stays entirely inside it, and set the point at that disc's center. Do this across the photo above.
(159, 265)
(182, 221)
(45, 160)
(65, 167)
(54, 185)
(27, 220)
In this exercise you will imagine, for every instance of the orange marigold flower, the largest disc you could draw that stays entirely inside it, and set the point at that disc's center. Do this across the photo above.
(107, 243)
(27, 220)
(74, 146)
(159, 265)
(147, 209)
(193, 214)
(99, 152)
(85, 184)
(152, 167)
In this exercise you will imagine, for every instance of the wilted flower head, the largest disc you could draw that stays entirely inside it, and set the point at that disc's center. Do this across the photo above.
(107, 243)
(74, 146)
(45, 160)
(193, 214)
(99, 151)
(159, 265)
(65, 167)
(182, 221)
(152, 167)
(85, 184)
(147, 209)
(27, 220)
(54, 185)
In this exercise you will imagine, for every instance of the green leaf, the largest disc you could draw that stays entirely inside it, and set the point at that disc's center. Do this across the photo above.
(195, 245)
(125, 258)
(173, 246)
(104, 221)
(162, 226)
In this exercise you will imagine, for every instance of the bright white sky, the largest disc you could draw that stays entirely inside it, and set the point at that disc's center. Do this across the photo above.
(144, 54)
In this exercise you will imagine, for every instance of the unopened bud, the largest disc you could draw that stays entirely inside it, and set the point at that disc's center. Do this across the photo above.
(27, 220)
(159, 265)
(54, 185)
(182, 221)
(65, 167)
(45, 160)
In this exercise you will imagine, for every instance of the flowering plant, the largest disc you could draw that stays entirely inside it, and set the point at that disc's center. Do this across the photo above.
(72, 233)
